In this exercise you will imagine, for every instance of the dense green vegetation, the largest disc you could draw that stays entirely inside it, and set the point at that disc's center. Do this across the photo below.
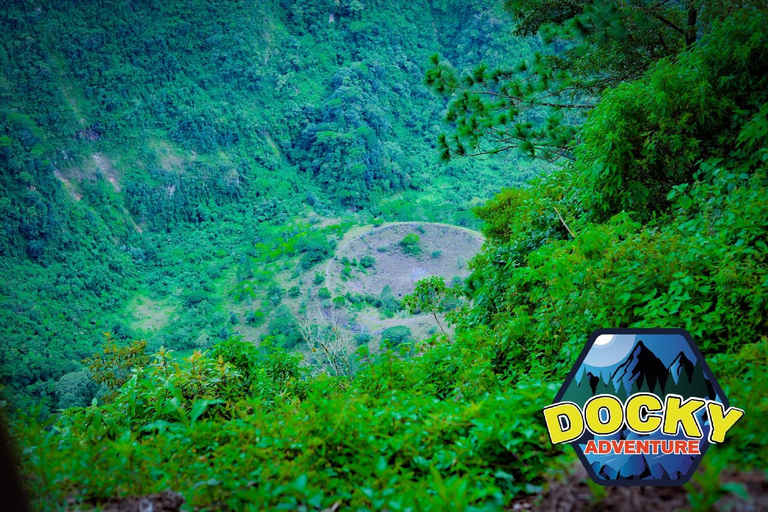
(653, 211)
(163, 161)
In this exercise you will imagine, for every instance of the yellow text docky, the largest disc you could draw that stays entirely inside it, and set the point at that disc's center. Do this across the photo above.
(642, 413)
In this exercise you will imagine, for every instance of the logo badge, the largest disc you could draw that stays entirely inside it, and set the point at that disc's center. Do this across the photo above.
(640, 407)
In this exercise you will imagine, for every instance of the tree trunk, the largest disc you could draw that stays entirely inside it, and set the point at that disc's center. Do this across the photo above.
(690, 32)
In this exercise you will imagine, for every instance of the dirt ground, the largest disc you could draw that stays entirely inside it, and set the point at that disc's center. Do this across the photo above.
(575, 494)
(166, 501)
(452, 246)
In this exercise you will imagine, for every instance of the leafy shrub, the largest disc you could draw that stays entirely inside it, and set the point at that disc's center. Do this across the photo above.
(695, 262)
(362, 338)
(410, 244)
(315, 248)
(397, 335)
(431, 296)
(75, 389)
(213, 271)
(367, 261)
(679, 114)
(742, 377)
(113, 365)
(283, 329)
(387, 302)
(196, 296)
(254, 317)
(185, 419)
(324, 293)
(244, 356)
(274, 294)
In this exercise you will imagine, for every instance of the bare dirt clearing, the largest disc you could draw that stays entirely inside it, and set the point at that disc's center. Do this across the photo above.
(444, 251)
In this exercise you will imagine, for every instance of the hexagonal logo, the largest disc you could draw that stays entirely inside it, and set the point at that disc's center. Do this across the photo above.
(640, 407)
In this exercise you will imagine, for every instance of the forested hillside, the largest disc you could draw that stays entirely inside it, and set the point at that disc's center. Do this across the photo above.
(168, 164)
(154, 152)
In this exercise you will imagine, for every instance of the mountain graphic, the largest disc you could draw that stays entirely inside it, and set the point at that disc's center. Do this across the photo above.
(641, 367)
(679, 365)
(593, 380)
(643, 371)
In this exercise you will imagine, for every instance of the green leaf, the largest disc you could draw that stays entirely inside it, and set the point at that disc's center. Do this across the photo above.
(199, 407)
(737, 489)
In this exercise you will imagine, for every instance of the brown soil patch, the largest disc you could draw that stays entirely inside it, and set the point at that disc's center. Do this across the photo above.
(104, 165)
(166, 501)
(68, 185)
(575, 494)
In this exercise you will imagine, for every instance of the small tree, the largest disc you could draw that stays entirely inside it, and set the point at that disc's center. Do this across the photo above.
(367, 261)
(411, 244)
(112, 366)
(431, 295)
(329, 343)
(75, 389)
(396, 336)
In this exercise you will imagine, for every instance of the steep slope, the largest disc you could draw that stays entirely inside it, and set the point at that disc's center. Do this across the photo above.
(147, 148)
